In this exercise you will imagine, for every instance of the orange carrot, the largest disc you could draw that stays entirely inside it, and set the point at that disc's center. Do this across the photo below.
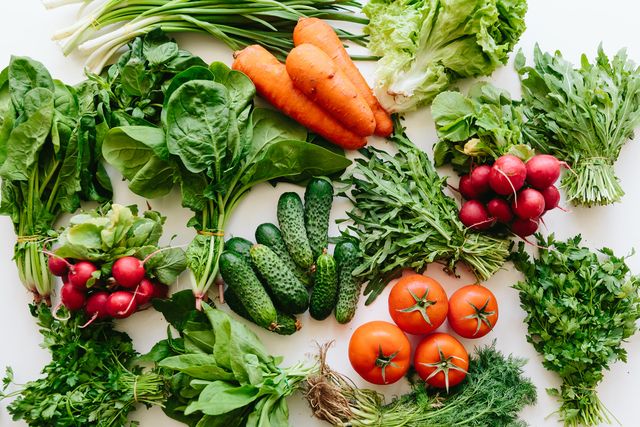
(318, 33)
(274, 84)
(318, 77)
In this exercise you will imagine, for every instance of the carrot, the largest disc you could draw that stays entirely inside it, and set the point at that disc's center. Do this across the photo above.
(318, 77)
(318, 33)
(274, 84)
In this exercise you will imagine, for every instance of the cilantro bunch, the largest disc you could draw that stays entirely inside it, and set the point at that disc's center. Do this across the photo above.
(581, 306)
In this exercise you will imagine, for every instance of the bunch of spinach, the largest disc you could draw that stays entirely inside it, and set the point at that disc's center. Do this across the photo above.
(50, 155)
(216, 147)
(402, 218)
(477, 128)
(219, 373)
(91, 379)
(105, 235)
(580, 308)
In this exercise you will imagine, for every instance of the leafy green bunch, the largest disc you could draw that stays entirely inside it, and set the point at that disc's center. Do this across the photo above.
(581, 306)
(50, 157)
(91, 379)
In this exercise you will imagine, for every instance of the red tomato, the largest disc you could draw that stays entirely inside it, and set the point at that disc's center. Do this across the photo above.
(418, 304)
(441, 361)
(380, 352)
(473, 311)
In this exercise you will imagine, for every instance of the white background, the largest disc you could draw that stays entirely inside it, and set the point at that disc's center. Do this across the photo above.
(572, 26)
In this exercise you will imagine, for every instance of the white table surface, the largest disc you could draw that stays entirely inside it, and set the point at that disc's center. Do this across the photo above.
(572, 26)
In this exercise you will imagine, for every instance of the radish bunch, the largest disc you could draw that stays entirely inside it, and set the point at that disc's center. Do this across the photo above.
(511, 193)
(117, 297)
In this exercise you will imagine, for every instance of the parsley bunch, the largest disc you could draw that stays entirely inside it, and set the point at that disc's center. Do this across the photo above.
(580, 307)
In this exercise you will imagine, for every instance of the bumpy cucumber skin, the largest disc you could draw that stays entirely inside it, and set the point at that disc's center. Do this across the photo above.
(347, 255)
(239, 276)
(318, 199)
(325, 290)
(269, 235)
(286, 324)
(239, 245)
(289, 294)
(291, 220)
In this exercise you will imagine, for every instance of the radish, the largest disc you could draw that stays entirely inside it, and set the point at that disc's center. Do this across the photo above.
(473, 214)
(72, 297)
(80, 273)
(528, 204)
(145, 292)
(499, 209)
(551, 197)
(128, 271)
(467, 189)
(97, 305)
(543, 171)
(479, 178)
(507, 175)
(58, 266)
(121, 304)
(525, 227)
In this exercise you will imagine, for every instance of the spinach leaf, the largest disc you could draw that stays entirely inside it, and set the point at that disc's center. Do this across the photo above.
(271, 126)
(220, 397)
(241, 88)
(167, 265)
(24, 76)
(191, 73)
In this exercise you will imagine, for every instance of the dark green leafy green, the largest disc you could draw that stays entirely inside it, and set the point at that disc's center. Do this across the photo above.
(581, 306)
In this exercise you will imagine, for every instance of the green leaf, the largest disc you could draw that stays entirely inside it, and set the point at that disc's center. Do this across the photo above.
(158, 49)
(270, 126)
(24, 75)
(144, 232)
(241, 88)
(221, 397)
(180, 309)
(201, 366)
(7, 117)
(167, 265)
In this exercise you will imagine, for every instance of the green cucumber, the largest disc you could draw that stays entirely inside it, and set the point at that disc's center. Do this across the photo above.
(239, 245)
(291, 220)
(318, 199)
(288, 293)
(347, 257)
(286, 324)
(325, 290)
(269, 235)
(239, 276)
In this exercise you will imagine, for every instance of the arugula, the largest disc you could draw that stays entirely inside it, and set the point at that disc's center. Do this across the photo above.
(477, 128)
(90, 380)
(583, 116)
(219, 373)
(50, 157)
(581, 306)
(215, 146)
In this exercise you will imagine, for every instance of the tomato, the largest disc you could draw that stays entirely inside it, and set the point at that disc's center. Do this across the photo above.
(418, 304)
(380, 352)
(441, 361)
(473, 311)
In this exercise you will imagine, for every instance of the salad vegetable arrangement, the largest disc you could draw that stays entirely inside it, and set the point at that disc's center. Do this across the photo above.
(169, 122)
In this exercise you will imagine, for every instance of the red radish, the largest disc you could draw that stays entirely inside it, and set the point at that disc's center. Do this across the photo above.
(145, 292)
(80, 273)
(479, 178)
(551, 197)
(72, 297)
(128, 271)
(528, 204)
(525, 227)
(543, 171)
(499, 209)
(161, 290)
(121, 304)
(97, 305)
(58, 266)
(474, 215)
(507, 175)
(467, 189)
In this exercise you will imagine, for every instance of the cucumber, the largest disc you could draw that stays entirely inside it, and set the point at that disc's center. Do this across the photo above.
(325, 290)
(347, 256)
(239, 276)
(318, 199)
(291, 220)
(286, 324)
(239, 245)
(269, 235)
(290, 295)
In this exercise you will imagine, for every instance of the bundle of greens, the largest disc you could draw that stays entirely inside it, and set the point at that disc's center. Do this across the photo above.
(582, 116)
(237, 24)
(580, 308)
(493, 394)
(91, 379)
(50, 160)
(216, 147)
(219, 372)
(426, 45)
(477, 128)
(403, 219)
